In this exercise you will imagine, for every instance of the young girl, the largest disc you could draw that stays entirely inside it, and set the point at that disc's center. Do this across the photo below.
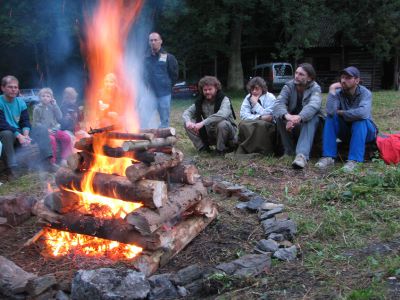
(48, 114)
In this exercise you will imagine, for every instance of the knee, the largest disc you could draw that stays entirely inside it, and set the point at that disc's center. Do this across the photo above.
(222, 125)
(7, 137)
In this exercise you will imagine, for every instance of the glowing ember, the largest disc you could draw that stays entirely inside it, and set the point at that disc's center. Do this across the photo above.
(61, 243)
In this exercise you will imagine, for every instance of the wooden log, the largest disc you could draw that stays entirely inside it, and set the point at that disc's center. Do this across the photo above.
(143, 156)
(130, 136)
(43, 212)
(102, 129)
(151, 193)
(80, 161)
(62, 201)
(85, 144)
(173, 241)
(144, 145)
(161, 162)
(161, 132)
(111, 229)
(146, 220)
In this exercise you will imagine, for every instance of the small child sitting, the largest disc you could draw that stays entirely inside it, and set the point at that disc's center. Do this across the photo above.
(48, 114)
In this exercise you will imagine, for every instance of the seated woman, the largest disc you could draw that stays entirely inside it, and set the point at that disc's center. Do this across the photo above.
(257, 131)
(48, 114)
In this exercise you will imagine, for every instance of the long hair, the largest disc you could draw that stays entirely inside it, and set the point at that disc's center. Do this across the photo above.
(309, 70)
(257, 81)
(209, 80)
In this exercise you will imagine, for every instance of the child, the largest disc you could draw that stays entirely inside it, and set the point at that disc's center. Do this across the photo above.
(48, 114)
(70, 110)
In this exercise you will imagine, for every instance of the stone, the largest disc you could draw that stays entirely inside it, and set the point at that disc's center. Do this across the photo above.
(188, 274)
(182, 291)
(244, 194)
(109, 284)
(38, 285)
(282, 216)
(270, 205)
(49, 294)
(270, 213)
(162, 287)
(267, 245)
(285, 244)
(287, 227)
(247, 265)
(255, 203)
(276, 237)
(194, 287)
(60, 295)
(241, 205)
(13, 279)
(286, 254)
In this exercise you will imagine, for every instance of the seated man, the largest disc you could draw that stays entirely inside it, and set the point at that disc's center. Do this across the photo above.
(297, 114)
(210, 121)
(257, 128)
(15, 127)
(349, 119)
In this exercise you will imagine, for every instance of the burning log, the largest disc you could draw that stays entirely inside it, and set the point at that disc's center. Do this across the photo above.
(144, 145)
(80, 161)
(162, 162)
(130, 136)
(151, 193)
(62, 201)
(84, 144)
(102, 129)
(173, 241)
(161, 132)
(146, 221)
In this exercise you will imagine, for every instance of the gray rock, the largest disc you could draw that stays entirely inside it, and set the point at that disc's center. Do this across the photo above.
(287, 227)
(109, 284)
(182, 291)
(188, 274)
(61, 296)
(241, 205)
(270, 205)
(270, 213)
(255, 203)
(286, 253)
(38, 285)
(276, 237)
(245, 194)
(194, 287)
(162, 287)
(13, 279)
(267, 245)
(247, 265)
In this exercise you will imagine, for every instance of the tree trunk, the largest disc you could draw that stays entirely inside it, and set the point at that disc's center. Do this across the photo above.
(396, 73)
(235, 71)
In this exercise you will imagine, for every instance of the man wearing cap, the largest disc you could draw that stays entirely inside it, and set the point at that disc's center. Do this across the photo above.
(349, 118)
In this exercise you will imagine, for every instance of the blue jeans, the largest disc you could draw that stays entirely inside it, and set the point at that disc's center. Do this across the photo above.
(163, 107)
(356, 133)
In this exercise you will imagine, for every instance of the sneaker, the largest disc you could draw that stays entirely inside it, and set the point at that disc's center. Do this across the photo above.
(325, 162)
(350, 166)
(299, 162)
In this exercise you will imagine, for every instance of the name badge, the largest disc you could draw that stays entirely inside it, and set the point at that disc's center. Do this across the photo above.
(163, 57)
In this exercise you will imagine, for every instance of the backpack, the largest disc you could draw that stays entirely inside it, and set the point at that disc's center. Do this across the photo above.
(389, 147)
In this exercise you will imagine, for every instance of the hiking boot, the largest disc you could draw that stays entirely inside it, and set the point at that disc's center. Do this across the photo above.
(299, 162)
(325, 162)
(350, 166)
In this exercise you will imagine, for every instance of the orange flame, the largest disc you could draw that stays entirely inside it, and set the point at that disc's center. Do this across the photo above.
(60, 243)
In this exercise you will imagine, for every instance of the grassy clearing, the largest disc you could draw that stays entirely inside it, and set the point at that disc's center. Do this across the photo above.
(335, 213)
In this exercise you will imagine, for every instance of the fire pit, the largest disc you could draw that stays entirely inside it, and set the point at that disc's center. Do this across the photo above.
(125, 196)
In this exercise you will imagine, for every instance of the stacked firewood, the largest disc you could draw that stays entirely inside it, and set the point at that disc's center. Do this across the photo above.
(175, 203)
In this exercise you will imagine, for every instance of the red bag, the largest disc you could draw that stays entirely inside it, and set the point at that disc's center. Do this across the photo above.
(389, 147)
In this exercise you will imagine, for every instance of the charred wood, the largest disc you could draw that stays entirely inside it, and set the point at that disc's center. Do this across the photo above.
(151, 193)
(161, 132)
(130, 136)
(62, 201)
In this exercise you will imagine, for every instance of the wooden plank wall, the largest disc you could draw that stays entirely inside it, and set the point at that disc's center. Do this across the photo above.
(364, 61)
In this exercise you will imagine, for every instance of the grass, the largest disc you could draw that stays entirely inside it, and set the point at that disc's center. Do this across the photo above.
(335, 213)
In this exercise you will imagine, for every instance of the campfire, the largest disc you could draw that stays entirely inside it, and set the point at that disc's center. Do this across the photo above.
(127, 194)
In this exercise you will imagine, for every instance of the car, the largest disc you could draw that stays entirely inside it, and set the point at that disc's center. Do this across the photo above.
(184, 90)
(30, 96)
(275, 74)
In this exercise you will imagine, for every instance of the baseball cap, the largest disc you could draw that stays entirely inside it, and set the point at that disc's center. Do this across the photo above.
(352, 71)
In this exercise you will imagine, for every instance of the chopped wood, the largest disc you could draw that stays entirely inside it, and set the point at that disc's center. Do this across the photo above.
(43, 212)
(161, 132)
(151, 193)
(102, 129)
(80, 161)
(161, 162)
(172, 241)
(62, 201)
(146, 220)
(144, 145)
(130, 136)
(33, 239)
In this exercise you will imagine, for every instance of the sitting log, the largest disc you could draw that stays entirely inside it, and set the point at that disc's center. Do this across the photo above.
(151, 193)
(180, 199)
(144, 145)
(161, 162)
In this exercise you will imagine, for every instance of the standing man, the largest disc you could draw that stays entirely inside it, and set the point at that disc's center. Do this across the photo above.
(210, 121)
(349, 118)
(161, 72)
(15, 127)
(297, 113)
